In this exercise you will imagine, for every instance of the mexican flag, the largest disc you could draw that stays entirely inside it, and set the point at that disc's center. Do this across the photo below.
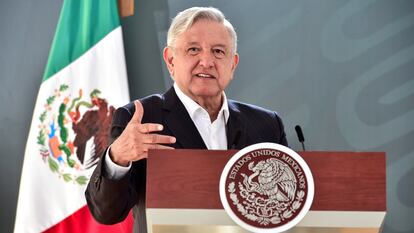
(84, 81)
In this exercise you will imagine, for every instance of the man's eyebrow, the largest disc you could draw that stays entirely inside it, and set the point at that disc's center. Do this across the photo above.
(220, 45)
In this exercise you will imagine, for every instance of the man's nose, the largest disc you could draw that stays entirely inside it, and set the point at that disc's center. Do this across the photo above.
(206, 59)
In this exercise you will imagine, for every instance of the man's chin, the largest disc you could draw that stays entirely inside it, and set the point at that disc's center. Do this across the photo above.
(207, 93)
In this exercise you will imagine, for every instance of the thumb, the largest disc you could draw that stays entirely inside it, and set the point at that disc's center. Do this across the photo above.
(139, 112)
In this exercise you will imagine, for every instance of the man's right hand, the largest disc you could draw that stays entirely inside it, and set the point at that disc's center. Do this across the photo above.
(136, 139)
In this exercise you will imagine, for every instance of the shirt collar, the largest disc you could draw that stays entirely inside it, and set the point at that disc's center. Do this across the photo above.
(192, 107)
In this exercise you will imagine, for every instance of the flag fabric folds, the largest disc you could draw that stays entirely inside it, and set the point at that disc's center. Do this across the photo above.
(84, 81)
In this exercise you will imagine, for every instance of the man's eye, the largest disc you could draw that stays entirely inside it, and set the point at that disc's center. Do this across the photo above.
(219, 53)
(193, 50)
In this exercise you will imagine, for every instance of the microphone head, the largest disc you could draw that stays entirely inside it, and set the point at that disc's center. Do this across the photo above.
(298, 130)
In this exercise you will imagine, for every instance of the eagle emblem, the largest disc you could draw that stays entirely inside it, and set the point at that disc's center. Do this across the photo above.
(268, 192)
(73, 132)
(275, 180)
(266, 187)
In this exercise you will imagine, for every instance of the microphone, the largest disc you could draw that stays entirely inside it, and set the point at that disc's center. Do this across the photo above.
(299, 132)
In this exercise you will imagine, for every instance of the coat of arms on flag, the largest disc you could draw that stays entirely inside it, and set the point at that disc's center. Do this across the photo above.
(73, 132)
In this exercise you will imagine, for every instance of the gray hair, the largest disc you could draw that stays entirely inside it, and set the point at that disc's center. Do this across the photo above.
(187, 18)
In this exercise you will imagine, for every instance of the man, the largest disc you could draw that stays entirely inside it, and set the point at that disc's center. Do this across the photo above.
(194, 114)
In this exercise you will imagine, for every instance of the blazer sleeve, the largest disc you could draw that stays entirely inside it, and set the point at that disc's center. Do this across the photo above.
(111, 200)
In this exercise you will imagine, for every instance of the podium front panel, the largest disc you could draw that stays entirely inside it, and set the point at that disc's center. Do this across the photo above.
(183, 191)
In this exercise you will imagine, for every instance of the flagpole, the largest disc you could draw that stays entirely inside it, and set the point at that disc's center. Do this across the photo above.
(126, 8)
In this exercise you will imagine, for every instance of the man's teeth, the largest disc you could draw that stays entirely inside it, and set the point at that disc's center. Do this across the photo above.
(204, 75)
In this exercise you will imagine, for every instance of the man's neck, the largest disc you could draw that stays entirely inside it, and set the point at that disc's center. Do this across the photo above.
(211, 105)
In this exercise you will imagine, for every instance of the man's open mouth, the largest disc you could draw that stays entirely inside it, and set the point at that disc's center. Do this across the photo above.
(202, 75)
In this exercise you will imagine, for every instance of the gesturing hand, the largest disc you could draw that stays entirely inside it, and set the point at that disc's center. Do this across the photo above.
(136, 139)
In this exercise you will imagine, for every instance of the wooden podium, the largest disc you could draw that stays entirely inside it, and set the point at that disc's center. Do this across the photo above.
(183, 192)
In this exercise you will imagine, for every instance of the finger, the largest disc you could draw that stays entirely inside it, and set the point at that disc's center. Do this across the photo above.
(157, 146)
(139, 112)
(158, 139)
(149, 127)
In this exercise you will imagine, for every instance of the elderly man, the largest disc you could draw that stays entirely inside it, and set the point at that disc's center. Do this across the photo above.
(193, 114)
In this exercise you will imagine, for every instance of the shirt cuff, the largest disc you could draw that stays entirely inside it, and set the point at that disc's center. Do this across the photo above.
(113, 170)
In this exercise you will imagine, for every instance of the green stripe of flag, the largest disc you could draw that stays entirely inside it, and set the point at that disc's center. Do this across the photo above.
(81, 25)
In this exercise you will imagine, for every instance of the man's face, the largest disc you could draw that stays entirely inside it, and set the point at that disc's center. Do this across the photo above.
(202, 62)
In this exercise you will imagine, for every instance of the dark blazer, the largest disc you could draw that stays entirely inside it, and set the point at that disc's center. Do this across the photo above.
(110, 201)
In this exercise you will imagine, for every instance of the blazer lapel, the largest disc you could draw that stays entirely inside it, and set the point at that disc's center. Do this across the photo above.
(236, 130)
(179, 122)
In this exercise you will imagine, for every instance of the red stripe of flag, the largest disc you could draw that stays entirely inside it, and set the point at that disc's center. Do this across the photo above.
(83, 222)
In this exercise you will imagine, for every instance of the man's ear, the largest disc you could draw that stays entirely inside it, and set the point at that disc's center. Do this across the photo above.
(168, 56)
(235, 61)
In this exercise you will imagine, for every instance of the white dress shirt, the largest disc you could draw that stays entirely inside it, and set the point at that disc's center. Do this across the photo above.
(212, 133)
